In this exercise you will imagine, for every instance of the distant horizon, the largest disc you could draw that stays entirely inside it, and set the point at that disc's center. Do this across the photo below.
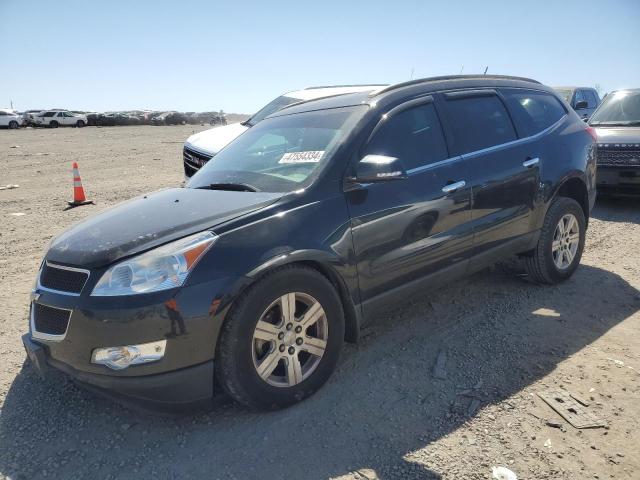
(118, 56)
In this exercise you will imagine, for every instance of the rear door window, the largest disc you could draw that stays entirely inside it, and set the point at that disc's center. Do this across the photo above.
(413, 135)
(532, 111)
(478, 122)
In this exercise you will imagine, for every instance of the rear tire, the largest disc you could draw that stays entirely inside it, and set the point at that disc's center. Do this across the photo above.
(268, 358)
(560, 245)
(13, 124)
(53, 124)
(80, 124)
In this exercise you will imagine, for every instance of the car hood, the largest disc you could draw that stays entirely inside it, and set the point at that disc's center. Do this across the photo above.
(215, 139)
(618, 134)
(149, 221)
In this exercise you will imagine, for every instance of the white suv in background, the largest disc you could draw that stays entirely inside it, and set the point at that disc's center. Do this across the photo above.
(60, 118)
(200, 147)
(10, 119)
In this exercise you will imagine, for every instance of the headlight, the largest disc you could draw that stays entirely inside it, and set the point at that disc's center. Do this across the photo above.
(159, 269)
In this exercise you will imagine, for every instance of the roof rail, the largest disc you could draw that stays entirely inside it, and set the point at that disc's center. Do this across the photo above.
(351, 85)
(450, 77)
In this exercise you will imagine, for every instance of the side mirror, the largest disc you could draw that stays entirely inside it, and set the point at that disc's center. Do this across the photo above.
(581, 105)
(379, 168)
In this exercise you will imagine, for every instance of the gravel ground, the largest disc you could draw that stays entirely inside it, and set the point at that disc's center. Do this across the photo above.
(444, 387)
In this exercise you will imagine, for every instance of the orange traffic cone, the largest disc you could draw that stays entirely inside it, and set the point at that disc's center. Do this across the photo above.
(78, 192)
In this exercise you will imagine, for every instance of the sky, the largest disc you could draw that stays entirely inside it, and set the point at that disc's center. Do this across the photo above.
(238, 55)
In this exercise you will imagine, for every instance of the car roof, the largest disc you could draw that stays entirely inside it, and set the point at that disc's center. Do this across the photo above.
(406, 90)
(311, 93)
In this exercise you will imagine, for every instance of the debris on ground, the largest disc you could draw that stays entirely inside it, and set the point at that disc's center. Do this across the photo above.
(555, 425)
(503, 473)
(9, 186)
(570, 410)
(581, 400)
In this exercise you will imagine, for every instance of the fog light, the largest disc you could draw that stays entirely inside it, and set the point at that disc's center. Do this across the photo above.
(118, 358)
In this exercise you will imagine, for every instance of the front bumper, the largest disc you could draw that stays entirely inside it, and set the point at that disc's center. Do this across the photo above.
(188, 318)
(182, 390)
(618, 179)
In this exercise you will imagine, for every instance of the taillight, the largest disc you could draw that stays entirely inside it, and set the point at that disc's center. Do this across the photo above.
(592, 131)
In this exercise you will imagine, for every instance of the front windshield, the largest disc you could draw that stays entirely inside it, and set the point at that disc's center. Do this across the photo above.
(565, 93)
(270, 108)
(618, 108)
(280, 154)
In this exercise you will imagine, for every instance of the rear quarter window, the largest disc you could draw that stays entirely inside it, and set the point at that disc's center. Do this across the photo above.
(479, 122)
(533, 111)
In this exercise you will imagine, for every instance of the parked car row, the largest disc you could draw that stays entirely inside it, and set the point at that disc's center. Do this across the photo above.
(317, 213)
(60, 118)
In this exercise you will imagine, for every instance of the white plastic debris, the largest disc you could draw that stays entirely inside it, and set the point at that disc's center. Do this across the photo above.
(9, 187)
(547, 444)
(503, 473)
(18, 214)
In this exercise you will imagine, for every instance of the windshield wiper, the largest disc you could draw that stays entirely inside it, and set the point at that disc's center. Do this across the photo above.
(231, 187)
(247, 123)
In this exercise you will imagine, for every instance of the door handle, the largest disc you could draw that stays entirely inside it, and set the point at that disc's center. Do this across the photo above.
(531, 162)
(452, 187)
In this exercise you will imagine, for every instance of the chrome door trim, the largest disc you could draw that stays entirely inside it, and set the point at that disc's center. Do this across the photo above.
(531, 162)
(486, 150)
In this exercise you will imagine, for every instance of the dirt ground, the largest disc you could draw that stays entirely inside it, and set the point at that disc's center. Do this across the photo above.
(443, 387)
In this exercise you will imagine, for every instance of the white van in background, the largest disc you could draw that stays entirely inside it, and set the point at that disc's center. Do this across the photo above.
(200, 147)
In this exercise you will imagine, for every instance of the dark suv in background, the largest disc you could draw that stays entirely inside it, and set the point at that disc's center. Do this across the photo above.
(617, 124)
(584, 100)
(280, 249)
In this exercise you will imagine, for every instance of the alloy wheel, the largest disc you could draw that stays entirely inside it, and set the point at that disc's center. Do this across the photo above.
(566, 239)
(290, 339)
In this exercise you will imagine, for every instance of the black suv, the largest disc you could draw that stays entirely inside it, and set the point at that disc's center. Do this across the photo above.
(277, 251)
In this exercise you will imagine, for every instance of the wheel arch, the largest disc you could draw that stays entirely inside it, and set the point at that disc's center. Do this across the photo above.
(323, 263)
(575, 188)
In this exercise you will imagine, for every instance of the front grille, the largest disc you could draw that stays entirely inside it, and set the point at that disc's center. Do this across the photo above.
(50, 320)
(619, 155)
(63, 279)
(193, 161)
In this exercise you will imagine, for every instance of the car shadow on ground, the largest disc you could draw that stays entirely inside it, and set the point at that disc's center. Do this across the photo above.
(623, 208)
(498, 334)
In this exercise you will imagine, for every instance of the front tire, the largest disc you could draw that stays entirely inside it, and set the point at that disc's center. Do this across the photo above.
(282, 339)
(13, 125)
(560, 245)
(79, 124)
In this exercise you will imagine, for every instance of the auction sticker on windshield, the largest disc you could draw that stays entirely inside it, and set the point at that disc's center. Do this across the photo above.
(312, 156)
